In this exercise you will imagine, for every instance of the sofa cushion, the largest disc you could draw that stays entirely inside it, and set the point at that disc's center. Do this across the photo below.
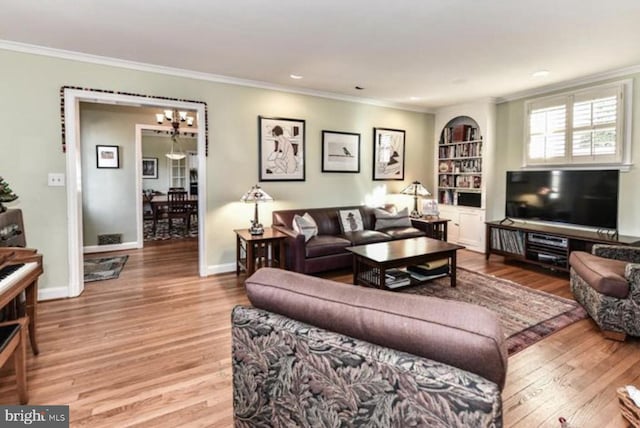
(350, 220)
(366, 237)
(403, 232)
(386, 219)
(606, 276)
(456, 333)
(325, 245)
(305, 225)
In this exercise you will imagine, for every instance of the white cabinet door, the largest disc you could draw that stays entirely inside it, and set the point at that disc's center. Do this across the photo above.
(453, 227)
(472, 231)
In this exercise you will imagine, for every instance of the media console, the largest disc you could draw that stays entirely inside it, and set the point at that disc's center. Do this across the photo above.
(545, 245)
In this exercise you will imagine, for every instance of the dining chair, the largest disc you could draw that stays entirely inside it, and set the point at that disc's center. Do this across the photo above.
(179, 207)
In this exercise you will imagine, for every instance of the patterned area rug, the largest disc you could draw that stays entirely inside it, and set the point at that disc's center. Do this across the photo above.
(526, 315)
(103, 268)
(178, 230)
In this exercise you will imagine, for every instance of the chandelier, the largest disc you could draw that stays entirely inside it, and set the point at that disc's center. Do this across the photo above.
(175, 117)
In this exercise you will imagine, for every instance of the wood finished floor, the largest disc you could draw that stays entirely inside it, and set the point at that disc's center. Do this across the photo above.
(152, 348)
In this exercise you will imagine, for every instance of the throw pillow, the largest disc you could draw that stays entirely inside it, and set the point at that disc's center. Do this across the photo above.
(305, 225)
(385, 219)
(350, 220)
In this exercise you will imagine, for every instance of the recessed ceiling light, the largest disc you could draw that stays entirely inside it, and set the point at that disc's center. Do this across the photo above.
(296, 76)
(414, 98)
(540, 73)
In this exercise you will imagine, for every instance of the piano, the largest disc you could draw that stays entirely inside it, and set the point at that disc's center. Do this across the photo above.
(19, 272)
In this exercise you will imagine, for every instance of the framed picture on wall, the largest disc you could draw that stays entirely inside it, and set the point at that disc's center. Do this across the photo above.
(281, 149)
(340, 152)
(108, 156)
(388, 154)
(149, 167)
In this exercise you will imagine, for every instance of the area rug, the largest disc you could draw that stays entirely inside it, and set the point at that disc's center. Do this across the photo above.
(526, 315)
(178, 231)
(102, 268)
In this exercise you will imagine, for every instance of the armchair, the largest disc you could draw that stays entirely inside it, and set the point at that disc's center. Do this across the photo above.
(607, 283)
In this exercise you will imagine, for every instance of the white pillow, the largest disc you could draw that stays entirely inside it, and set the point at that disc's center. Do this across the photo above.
(350, 220)
(305, 225)
(385, 219)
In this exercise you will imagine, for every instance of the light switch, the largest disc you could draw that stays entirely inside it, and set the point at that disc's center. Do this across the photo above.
(56, 179)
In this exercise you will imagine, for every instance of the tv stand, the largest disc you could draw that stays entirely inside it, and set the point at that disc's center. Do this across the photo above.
(548, 246)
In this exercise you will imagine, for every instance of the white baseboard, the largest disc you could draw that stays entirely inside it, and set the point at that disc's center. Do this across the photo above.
(114, 247)
(223, 268)
(51, 293)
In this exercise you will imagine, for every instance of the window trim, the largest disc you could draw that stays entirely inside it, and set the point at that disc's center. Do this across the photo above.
(624, 89)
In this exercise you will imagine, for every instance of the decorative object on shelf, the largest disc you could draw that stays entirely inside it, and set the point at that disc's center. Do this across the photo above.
(388, 154)
(6, 194)
(340, 152)
(256, 195)
(149, 167)
(415, 189)
(282, 150)
(108, 156)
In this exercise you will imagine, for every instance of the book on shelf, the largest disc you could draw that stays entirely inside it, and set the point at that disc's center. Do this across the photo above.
(426, 271)
(397, 278)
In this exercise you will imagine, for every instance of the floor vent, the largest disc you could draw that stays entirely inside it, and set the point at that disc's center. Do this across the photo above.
(110, 239)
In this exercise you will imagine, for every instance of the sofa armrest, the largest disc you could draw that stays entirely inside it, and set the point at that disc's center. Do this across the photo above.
(617, 252)
(279, 363)
(294, 245)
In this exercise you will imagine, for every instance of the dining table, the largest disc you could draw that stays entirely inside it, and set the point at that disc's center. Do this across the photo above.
(160, 204)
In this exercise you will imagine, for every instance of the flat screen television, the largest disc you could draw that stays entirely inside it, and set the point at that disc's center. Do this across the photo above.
(583, 198)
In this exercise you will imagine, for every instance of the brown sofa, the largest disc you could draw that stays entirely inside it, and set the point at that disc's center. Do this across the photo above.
(313, 350)
(326, 251)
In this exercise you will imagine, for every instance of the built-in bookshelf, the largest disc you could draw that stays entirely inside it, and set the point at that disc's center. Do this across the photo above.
(460, 163)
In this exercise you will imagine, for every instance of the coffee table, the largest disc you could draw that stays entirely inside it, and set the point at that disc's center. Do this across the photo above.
(371, 261)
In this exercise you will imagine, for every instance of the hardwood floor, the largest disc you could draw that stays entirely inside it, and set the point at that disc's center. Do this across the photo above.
(152, 348)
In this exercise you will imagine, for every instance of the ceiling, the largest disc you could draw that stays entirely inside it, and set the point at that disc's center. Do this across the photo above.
(440, 52)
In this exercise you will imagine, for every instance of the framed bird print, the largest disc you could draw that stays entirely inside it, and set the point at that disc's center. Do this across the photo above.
(340, 152)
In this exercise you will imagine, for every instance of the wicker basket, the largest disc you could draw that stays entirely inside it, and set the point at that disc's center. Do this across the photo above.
(628, 408)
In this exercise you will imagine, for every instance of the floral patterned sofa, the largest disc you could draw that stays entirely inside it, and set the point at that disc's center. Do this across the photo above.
(607, 283)
(313, 352)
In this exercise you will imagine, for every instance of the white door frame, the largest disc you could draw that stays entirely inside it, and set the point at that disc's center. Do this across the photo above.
(72, 99)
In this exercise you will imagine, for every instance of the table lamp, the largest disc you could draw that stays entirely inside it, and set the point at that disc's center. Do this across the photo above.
(256, 195)
(415, 189)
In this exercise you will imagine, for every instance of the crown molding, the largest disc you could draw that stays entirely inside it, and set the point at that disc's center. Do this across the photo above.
(593, 78)
(190, 74)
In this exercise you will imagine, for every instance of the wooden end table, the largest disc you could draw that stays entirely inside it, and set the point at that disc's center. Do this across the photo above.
(371, 261)
(434, 227)
(256, 251)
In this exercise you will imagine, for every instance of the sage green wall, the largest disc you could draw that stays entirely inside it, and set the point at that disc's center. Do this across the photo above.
(30, 108)
(509, 156)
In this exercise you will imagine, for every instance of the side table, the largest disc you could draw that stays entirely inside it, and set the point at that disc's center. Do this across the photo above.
(256, 251)
(435, 228)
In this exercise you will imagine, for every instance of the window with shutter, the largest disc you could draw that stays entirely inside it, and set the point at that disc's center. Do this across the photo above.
(582, 127)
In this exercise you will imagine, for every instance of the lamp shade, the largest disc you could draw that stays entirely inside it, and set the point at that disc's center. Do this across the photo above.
(256, 194)
(415, 189)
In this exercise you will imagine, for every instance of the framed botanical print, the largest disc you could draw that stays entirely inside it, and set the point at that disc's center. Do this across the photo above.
(108, 156)
(388, 154)
(281, 149)
(340, 152)
(149, 167)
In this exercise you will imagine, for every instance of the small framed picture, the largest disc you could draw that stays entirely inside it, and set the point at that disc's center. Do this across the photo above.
(149, 167)
(388, 154)
(281, 147)
(108, 156)
(430, 208)
(340, 152)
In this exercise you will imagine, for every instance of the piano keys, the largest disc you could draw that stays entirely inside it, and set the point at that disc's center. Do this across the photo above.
(19, 272)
